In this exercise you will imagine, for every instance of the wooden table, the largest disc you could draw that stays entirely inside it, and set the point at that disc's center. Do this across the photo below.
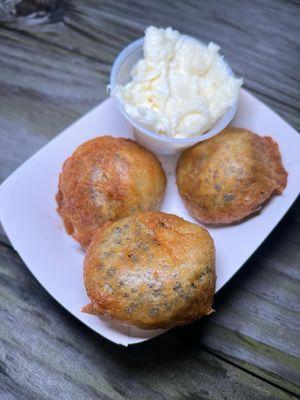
(55, 59)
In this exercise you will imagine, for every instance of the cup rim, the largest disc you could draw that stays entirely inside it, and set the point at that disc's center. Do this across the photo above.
(217, 128)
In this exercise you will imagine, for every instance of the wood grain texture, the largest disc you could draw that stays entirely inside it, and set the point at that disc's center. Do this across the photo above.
(54, 66)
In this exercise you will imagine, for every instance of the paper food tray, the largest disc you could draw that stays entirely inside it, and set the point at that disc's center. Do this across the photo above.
(28, 210)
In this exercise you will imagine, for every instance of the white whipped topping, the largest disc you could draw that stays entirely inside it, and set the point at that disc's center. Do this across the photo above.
(181, 87)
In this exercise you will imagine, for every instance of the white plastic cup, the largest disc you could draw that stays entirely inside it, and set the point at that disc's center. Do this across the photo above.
(160, 144)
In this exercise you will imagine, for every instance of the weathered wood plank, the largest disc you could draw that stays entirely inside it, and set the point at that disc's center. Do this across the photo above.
(46, 353)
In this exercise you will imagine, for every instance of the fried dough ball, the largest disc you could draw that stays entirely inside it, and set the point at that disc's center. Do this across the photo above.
(106, 179)
(230, 176)
(152, 270)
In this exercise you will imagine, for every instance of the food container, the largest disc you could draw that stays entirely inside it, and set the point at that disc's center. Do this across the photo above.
(160, 144)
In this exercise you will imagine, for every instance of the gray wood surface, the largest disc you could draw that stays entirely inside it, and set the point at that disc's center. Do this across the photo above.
(54, 66)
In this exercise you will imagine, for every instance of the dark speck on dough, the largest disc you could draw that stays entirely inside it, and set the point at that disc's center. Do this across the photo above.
(217, 187)
(179, 290)
(111, 272)
(204, 273)
(153, 311)
(156, 288)
(228, 196)
(133, 257)
(203, 206)
(161, 224)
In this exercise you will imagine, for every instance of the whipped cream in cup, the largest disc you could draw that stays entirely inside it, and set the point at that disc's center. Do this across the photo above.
(174, 90)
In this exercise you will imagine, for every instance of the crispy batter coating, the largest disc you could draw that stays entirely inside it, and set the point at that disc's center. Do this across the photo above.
(152, 270)
(106, 179)
(230, 176)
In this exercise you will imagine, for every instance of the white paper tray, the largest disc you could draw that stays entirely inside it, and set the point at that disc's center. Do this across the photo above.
(28, 210)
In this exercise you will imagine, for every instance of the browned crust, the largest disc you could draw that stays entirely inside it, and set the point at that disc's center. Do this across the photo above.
(105, 179)
(280, 174)
(152, 270)
(230, 176)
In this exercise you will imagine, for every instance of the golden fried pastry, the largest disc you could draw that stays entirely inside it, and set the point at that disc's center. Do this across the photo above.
(106, 179)
(151, 270)
(230, 176)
